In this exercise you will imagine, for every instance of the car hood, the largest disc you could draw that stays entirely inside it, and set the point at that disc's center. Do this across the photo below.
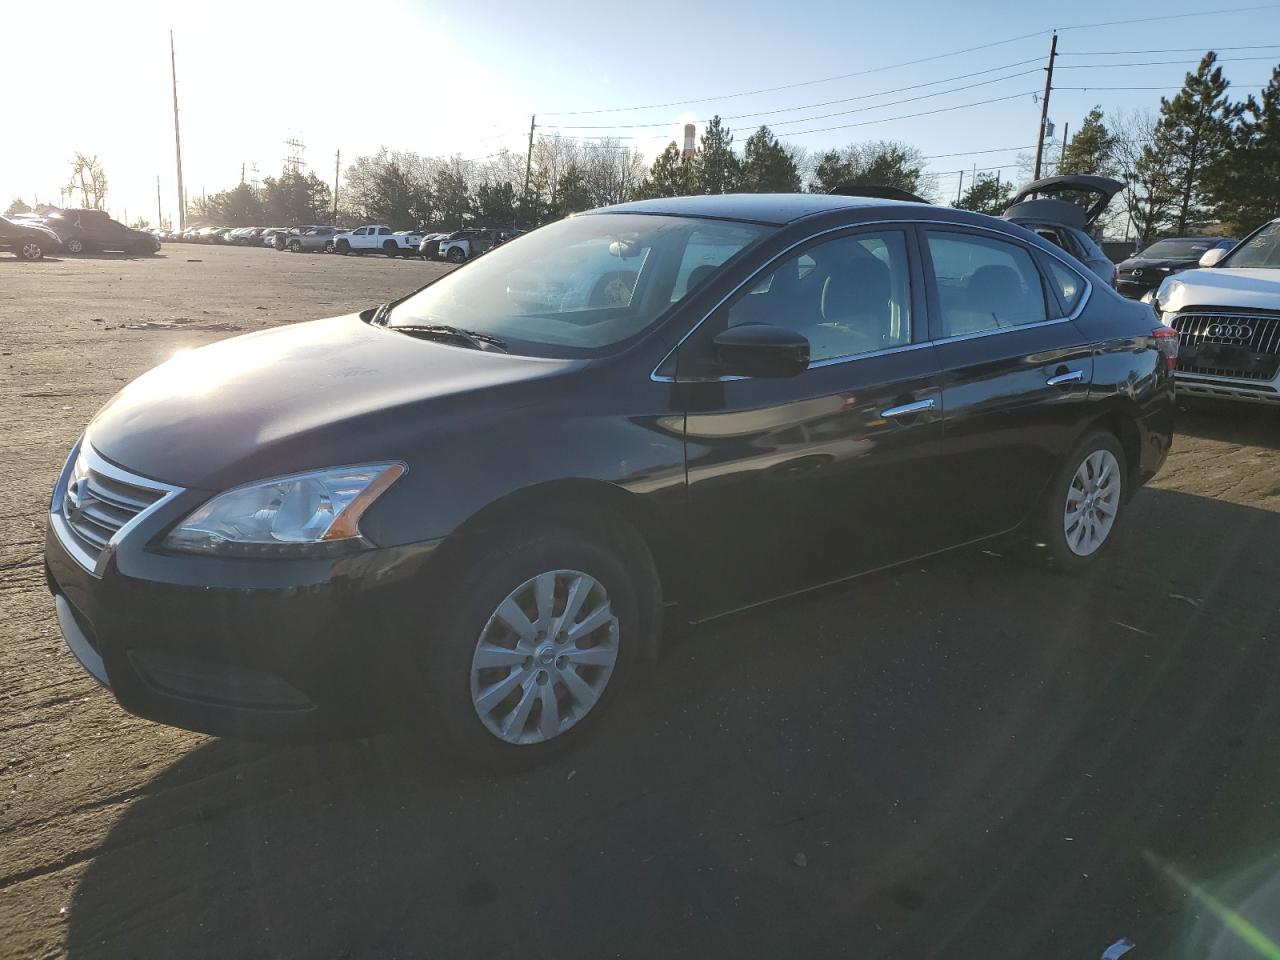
(1253, 288)
(309, 395)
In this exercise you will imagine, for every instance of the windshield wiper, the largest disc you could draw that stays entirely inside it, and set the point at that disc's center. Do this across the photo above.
(481, 341)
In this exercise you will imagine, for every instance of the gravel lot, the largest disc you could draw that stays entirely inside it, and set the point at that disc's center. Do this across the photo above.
(970, 757)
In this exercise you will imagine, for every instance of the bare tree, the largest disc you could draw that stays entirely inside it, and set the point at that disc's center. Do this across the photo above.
(1147, 167)
(611, 171)
(88, 177)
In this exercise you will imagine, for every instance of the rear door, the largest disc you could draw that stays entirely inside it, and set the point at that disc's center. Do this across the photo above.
(802, 480)
(1016, 373)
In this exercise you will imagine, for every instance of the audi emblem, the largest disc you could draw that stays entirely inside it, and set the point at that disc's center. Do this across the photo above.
(1229, 331)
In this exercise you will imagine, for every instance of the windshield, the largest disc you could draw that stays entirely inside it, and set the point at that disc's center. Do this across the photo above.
(1177, 249)
(580, 285)
(1260, 250)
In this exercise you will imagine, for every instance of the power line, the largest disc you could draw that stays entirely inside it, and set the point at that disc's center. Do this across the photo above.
(1168, 16)
(801, 83)
(821, 103)
(1200, 49)
(1237, 83)
(1151, 63)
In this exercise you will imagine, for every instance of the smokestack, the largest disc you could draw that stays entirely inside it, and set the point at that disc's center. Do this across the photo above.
(689, 132)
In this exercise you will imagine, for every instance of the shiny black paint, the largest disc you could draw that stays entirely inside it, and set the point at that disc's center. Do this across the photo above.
(745, 489)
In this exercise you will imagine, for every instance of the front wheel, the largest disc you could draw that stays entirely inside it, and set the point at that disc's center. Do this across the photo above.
(328, 246)
(343, 247)
(295, 246)
(455, 255)
(390, 249)
(535, 641)
(1086, 500)
(30, 250)
(75, 246)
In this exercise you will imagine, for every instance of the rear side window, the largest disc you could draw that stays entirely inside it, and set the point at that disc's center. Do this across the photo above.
(984, 284)
(1067, 284)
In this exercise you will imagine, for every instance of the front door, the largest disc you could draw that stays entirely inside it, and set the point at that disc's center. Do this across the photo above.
(798, 481)
(1017, 374)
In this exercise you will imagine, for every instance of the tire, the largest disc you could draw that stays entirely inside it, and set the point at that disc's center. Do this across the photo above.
(483, 710)
(343, 247)
(391, 249)
(1076, 538)
(295, 246)
(455, 255)
(328, 246)
(75, 246)
(29, 250)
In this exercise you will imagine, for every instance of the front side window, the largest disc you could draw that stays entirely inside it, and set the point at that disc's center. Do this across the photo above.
(575, 287)
(984, 283)
(847, 296)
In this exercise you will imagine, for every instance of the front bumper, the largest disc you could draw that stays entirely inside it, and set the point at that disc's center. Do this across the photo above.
(256, 649)
(1228, 388)
(1135, 289)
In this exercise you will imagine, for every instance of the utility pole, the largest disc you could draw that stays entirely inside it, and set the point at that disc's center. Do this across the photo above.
(337, 163)
(960, 186)
(528, 165)
(159, 215)
(1044, 104)
(1062, 157)
(242, 172)
(177, 138)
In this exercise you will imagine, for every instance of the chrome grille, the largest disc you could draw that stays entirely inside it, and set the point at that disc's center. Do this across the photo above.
(98, 500)
(1245, 346)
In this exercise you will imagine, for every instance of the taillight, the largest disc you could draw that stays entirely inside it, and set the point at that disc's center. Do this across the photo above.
(1167, 343)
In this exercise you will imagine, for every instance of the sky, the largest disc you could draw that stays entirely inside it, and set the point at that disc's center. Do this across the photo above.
(465, 78)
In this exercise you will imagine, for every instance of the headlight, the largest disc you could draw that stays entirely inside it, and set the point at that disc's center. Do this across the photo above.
(312, 513)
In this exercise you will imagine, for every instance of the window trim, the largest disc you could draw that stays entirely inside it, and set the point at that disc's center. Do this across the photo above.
(913, 227)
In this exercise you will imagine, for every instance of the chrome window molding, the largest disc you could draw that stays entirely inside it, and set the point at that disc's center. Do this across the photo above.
(831, 361)
(96, 565)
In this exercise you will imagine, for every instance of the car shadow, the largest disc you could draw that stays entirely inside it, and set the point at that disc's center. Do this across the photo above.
(1230, 422)
(961, 752)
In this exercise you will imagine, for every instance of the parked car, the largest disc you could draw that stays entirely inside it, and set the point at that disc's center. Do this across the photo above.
(1144, 272)
(479, 502)
(429, 245)
(462, 245)
(191, 234)
(1045, 206)
(92, 231)
(372, 238)
(207, 234)
(27, 239)
(409, 241)
(1227, 314)
(312, 239)
(268, 238)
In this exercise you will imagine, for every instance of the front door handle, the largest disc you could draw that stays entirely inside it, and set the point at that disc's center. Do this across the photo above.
(1071, 376)
(907, 409)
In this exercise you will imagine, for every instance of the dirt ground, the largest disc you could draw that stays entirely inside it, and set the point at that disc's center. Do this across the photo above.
(970, 757)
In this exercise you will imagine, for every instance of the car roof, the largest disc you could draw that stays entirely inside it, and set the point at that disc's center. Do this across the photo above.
(777, 209)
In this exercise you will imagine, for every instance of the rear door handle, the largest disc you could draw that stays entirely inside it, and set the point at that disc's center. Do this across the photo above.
(1071, 376)
(907, 409)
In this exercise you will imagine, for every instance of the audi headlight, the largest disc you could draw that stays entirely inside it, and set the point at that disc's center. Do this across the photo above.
(313, 513)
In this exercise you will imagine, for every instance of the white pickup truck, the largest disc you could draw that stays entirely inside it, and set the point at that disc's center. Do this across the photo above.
(376, 238)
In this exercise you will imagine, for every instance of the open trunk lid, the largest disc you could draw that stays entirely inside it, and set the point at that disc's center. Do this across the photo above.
(1075, 200)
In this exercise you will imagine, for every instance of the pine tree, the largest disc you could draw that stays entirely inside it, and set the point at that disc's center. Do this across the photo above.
(1090, 149)
(715, 167)
(766, 165)
(1244, 182)
(670, 175)
(988, 194)
(1195, 129)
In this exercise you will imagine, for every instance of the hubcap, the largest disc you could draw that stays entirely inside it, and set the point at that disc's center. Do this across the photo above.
(1092, 502)
(544, 657)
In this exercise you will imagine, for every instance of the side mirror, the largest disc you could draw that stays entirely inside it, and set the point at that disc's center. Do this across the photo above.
(1211, 258)
(761, 350)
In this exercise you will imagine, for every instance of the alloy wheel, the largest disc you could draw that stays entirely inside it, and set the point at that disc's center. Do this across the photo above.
(544, 657)
(1093, 500)
(31, 250)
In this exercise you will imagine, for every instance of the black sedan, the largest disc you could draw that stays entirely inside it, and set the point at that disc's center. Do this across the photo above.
(1140, 274)
(479, 503)
(27, 239)
(93, 231)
